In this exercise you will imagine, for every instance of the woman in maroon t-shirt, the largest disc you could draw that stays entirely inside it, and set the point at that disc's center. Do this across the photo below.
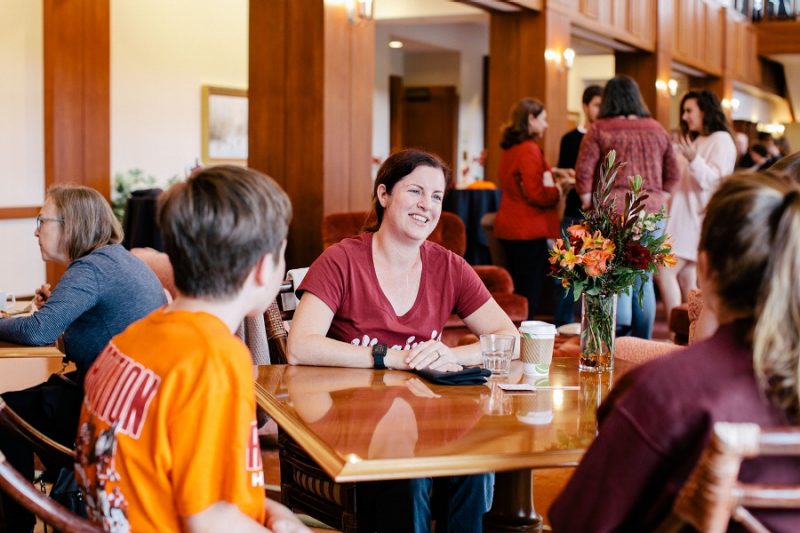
(384, 297)
(381, 300)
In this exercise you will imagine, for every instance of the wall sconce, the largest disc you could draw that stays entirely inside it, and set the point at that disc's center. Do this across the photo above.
(552, 56)
(672, 85)
(569, 57)
(395, 44)
(730, 103)
(359, 10)
(772, 128)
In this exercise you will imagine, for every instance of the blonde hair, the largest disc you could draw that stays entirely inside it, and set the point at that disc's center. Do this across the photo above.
(751, 236)
(89, 222)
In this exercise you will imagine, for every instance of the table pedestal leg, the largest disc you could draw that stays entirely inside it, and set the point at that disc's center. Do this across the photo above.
(512, 508)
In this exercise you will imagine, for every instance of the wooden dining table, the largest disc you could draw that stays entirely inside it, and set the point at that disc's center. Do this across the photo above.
(10, 350)
(367, 425)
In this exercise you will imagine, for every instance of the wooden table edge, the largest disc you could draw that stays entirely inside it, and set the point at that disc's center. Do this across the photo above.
(352, 469)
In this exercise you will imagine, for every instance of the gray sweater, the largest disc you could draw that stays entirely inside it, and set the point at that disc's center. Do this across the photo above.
(99, 296)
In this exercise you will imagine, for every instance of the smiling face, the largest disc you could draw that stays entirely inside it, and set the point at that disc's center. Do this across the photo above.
(692, 115)
(414, 206)
(50, 234)
(537, 125)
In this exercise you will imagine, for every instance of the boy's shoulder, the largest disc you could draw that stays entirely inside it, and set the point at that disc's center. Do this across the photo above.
(169, 340)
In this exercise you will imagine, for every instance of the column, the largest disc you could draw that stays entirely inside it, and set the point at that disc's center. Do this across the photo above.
(310, 118)
(518, 69)
(76, 96)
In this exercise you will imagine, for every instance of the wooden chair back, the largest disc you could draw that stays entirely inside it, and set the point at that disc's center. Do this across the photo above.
(449, 232)
(276, 329)
(712, 495)
(26, 494)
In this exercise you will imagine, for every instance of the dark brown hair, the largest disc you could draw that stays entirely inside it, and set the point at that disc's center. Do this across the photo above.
(516, 129)
(714, 118)
(89, 222)
(621, 97)
(218, 224)
(396, 167)
(751, 237)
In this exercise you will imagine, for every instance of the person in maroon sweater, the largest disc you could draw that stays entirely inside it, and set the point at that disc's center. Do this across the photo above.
(657, 420)
(528, 213)
(625, 125)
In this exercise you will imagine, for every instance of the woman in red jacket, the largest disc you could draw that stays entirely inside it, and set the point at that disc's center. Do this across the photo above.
(528, 213)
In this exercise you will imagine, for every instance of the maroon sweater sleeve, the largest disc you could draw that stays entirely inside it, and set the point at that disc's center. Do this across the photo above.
(671, 169)
(607, 488)
(588, 158)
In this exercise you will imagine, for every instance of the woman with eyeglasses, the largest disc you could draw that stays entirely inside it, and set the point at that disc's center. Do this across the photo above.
(104, 289)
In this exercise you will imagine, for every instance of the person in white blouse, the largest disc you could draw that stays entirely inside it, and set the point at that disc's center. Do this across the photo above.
(707, 145)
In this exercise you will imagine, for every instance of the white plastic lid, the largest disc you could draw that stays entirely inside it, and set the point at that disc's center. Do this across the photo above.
(536, 327)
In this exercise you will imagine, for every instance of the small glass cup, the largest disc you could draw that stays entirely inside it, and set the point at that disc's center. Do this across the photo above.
(497, 351)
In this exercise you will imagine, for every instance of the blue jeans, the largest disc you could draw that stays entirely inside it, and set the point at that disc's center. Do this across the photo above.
(639, 318)
(457, 503)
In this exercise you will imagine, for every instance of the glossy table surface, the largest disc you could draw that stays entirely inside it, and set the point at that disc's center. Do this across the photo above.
(363, 424)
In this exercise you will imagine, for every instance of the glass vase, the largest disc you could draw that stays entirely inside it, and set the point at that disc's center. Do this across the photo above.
(598, 328)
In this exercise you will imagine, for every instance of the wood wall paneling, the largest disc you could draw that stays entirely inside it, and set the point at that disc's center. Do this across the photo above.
(336, 110)
(76, 96)
(362, 88)
(396, 104)
(267, 66)
(781, 37)
(10, 213)
(311, 80)
(517, 43)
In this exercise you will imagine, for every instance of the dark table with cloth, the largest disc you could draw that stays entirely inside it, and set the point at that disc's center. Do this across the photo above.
(470, 205)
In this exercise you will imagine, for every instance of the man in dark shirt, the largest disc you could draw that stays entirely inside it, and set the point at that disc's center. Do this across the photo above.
(567, 156)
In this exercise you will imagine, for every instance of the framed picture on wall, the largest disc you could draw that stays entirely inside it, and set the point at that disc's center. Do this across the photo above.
(224, 123)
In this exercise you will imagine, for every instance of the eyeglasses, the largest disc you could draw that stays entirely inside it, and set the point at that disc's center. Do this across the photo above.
(40, 219)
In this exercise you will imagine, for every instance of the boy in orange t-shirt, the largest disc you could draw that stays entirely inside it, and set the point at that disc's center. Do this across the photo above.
(167, 437)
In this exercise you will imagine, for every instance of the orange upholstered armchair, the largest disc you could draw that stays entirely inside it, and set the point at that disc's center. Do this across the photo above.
(451, 234)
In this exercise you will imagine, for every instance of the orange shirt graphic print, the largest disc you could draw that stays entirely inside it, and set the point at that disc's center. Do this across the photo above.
(121, 390)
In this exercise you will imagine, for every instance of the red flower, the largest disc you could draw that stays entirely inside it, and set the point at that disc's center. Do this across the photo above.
(636, 255)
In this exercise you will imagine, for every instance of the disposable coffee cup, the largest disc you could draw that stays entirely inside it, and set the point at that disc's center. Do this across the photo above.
(536, 350)
(7, 300)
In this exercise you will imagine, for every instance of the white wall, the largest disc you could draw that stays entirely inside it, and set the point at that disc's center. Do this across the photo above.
(587, 69)
(756, 105)
(21, 140)
(420, 9)
(471, 42)
(162, 53)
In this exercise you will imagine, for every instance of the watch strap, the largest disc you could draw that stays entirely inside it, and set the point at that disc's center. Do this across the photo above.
(378, 356)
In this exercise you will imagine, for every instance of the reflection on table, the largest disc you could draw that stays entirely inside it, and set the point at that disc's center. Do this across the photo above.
(470, 205)
(366, 425)
(362, 424)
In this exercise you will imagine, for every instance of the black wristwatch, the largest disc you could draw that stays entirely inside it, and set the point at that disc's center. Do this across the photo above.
(378, 354)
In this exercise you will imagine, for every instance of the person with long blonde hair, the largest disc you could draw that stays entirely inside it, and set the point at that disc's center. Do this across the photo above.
(657, 420)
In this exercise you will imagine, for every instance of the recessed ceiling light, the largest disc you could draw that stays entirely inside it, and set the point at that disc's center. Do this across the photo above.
(395, 44)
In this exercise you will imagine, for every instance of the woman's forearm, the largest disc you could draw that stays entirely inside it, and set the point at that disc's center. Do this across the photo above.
(319, 350)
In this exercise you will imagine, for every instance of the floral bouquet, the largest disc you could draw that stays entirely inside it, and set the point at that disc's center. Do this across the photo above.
(605, 255)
